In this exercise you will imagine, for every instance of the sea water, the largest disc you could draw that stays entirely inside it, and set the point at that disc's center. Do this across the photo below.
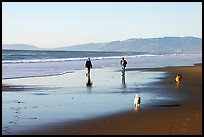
(57, 85)
(35, 63)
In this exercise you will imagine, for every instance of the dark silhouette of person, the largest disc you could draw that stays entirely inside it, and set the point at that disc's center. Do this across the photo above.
(88, 65)
(123, 64)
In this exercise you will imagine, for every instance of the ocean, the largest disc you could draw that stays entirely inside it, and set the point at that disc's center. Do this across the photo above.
(36, 63)
(54, 85)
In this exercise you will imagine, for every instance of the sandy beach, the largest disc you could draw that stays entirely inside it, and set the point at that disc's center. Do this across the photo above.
(172, 118)
(102, 68)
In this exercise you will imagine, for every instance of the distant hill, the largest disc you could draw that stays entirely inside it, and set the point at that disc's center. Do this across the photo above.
(156, 45)
(19, 47)
(164, 45)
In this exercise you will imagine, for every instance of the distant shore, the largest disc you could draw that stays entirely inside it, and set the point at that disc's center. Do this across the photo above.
(182, 118)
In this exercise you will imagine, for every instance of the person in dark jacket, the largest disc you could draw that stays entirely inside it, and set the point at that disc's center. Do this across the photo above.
(123, 64)
(88, 66)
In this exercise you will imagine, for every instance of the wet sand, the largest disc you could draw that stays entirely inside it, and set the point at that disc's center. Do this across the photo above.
(177, 118)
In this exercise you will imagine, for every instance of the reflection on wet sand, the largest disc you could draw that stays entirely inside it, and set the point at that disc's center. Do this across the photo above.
(177, 85)
(88, 82)
(123, 85)
(137, 109)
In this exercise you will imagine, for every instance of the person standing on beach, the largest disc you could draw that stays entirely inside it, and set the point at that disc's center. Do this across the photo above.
(123, 64)
(88, 65)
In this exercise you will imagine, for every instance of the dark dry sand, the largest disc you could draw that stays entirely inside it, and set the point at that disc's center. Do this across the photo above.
(184, 118)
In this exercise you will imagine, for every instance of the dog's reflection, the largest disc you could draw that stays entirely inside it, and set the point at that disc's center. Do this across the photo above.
(123, 85)
(137, 109)
(88, 82)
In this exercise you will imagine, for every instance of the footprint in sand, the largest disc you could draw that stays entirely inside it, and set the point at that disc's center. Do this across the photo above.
(183, 130)
(197, 115)
(188, 119)
(184, 124)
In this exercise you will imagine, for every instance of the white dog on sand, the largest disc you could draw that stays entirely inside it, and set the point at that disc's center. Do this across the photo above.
(137, 101)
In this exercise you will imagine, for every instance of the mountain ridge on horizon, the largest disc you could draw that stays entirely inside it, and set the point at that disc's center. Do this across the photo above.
(188, 44)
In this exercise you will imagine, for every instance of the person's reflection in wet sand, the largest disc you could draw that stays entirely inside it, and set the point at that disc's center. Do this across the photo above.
(123, 85)
(88, 82)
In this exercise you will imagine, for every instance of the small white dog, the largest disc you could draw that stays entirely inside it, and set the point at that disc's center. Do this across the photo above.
(137, 101)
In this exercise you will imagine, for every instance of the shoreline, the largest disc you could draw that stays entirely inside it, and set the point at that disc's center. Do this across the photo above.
(164, 119)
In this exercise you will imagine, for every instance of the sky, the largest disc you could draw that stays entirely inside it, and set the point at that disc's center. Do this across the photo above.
(60, 24)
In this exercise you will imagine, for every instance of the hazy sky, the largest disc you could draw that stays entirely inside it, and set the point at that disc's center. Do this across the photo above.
(59, 24)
